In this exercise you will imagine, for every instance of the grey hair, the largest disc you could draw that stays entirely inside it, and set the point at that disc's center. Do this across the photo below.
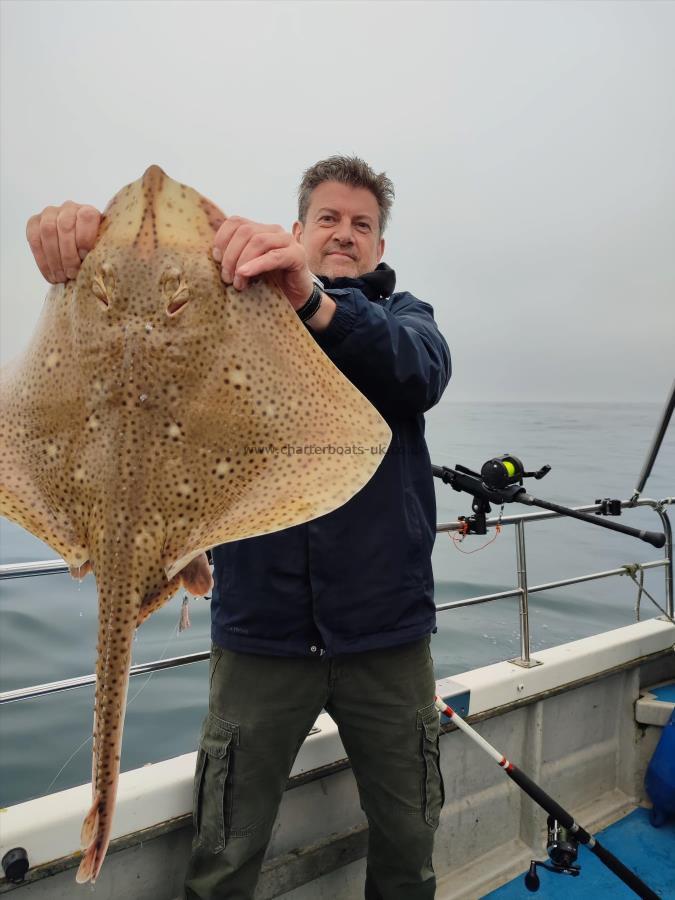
(349, 170)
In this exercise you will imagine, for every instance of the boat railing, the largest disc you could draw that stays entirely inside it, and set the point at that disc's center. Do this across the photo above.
(522, 591)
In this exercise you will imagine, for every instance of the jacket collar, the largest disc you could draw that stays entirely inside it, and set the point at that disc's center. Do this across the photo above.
(376, 285)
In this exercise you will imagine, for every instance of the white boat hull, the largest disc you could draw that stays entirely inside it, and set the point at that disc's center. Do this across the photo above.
(569, 723)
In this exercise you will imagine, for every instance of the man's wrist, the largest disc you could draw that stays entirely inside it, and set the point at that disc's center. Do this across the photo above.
(310, 307)
(319, 308)
(324, 314)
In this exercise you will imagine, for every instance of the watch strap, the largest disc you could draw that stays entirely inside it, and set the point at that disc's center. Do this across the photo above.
(308, 309)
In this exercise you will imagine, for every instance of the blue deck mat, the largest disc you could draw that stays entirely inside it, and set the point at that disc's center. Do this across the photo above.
(648, 851)
(665, 693)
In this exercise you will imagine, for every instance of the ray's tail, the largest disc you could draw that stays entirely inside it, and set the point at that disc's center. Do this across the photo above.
(125, 601)
(118, 612)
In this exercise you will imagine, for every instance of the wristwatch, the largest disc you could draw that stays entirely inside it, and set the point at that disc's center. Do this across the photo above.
(311, 307)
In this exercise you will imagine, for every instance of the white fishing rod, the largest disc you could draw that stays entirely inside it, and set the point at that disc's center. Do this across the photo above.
(574, 831)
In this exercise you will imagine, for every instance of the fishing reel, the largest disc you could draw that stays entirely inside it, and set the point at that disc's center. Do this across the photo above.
(562, 849)
(506, 470)
(500, 481)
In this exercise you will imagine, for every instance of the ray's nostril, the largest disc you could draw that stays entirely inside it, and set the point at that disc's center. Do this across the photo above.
(171, 285)
(175, 290)
(174, 306)
(99, 291)
(103, 284)
(171, 281)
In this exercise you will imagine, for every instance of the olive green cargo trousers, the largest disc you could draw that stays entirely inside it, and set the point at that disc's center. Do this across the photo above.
(260, 711)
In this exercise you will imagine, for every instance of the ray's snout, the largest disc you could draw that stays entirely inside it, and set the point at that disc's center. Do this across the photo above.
(153, 171)
(153, 180)
(156, 213)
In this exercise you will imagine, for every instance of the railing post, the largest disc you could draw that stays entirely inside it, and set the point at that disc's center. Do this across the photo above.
(668, 551)
(524, 659)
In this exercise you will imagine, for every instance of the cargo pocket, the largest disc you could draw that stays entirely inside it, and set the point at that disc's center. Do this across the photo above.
(433, 790)
(211, 804)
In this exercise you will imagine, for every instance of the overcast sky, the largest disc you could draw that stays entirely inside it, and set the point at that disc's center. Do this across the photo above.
(532, 146)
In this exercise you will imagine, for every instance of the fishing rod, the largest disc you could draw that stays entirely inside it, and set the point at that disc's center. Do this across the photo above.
(564, 832)
(501, 481)
(657, 440)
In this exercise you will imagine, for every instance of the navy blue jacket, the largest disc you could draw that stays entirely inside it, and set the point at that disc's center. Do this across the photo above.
(360, 577)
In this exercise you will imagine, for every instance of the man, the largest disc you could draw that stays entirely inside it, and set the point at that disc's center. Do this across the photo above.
(336, 613)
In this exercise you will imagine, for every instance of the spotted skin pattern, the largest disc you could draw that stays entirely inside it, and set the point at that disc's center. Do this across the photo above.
(127, 428)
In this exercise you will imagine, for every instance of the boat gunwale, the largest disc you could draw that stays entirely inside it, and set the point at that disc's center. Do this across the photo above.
(151, 832)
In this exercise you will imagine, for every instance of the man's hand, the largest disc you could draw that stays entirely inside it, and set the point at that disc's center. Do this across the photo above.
(60, 238)
(247, 249)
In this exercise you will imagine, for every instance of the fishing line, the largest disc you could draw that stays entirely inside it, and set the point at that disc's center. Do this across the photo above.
(466, 529)
(458, 540)
(70, 758)
(174, 633)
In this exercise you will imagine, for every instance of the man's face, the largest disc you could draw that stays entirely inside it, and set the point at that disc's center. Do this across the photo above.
(341, 236)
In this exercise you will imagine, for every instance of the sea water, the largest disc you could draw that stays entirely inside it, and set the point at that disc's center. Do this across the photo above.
(48, 624)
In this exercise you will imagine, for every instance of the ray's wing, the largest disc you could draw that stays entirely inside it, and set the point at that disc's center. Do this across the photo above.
(39, 395)
(283, 436)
